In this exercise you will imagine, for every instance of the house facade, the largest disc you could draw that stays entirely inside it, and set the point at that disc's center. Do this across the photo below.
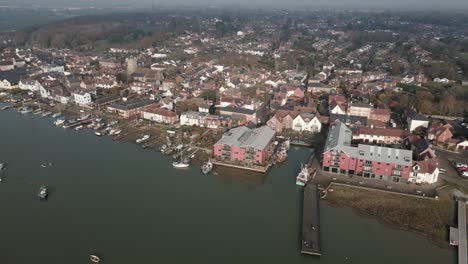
(307, 122)
(159, 115)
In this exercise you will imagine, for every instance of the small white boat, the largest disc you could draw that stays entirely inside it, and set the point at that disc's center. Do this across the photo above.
(207, 167)
(46, 114)
(99, 134)
(24, 110)
(59, 122)
(143, 138)
(2, 166)
(57, 114)
(37, 112)
(180, 164)
(84, 117)
(43, 193)
(94, 258)
(79, 127)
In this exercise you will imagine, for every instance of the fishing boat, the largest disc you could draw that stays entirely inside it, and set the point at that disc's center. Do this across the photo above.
(24, 110)
(142, 139)
(46, 114)
(281, 155)
(94, 258)
(207, 167)
(42, 192)
(57, 115)
(303, 176)
(59, 122)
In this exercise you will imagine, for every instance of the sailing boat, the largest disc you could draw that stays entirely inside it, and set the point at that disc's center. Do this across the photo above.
(182, 163)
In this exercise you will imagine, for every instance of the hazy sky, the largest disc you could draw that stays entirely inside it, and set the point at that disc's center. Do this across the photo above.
(393, 4)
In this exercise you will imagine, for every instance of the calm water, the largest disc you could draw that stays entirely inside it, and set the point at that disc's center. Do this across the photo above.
(130, 206)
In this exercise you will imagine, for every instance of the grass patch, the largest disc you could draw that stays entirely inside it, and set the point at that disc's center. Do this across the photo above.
(428, 217)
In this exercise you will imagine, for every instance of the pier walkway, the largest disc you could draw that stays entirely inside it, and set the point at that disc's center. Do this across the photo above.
(311, 221)
(462, 235)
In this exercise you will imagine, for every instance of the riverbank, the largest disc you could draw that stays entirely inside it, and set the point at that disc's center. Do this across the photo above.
(428, 217)
(132, 129)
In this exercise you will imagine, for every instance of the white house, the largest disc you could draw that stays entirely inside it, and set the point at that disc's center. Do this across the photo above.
(190, 118)
(307, 122)
(82, 98)
(416, 120)
(5, 84)
(30, 85)
(425, 171)
(337, 109)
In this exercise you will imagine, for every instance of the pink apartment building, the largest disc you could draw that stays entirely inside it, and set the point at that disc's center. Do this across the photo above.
(369, 161)
(245, 146)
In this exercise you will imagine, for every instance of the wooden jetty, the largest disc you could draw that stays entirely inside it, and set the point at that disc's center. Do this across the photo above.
(255, 169)
(310, 243)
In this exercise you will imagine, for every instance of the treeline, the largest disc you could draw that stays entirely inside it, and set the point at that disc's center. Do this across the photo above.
(434, 99)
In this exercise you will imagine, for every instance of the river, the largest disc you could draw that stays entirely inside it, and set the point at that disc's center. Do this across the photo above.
(129, 205)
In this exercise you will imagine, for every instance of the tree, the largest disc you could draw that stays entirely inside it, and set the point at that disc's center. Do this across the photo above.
(209, 94)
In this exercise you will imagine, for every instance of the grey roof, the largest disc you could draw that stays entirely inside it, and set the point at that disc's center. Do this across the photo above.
(385, 155)
(339, 138)
(131, 104)
(238, 110)
(417, 116)
(244, 137)
(349, 119)
(361, 105)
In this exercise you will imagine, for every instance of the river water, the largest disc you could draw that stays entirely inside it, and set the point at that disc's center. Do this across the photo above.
(129, 205)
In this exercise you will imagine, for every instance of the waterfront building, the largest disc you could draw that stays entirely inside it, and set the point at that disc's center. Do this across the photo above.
(160, 115)
(380, 135)
(130, 108)
(245, 146)
(390, 164)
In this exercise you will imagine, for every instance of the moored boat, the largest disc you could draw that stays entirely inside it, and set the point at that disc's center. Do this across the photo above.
(94, 258)
(59, 122)
(43, 192)
(2, 166)
(46, 114)
(142, 139)
(79, 127)
(207, 167)
(37, 112)
(303, 176)
(84, 117)
(57, 115)
(99, 134)
(24, 110)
